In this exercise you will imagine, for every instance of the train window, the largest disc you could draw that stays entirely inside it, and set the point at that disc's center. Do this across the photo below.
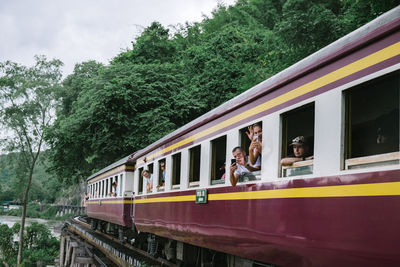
(150, 168)
(176, 170)
(244, 139)
(103, 191)
(194, 166)
(298, 141)
(161, 174)
(218, 158)
(253, 132)
(372, 123)
(108, 187)
(120, 184)
(140, 181)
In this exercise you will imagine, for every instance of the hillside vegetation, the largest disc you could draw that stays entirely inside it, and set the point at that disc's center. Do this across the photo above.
(172, 75)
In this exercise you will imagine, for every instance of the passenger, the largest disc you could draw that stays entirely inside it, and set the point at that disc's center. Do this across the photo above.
(162, 167)
(84, 199)
(255, 149)
(114, 191)
(387, 133)
(222, 169)
(240, 169)
(149, 180)
(301, 151)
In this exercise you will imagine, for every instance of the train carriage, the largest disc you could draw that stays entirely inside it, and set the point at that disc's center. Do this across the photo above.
(110, 204)
(335, 208)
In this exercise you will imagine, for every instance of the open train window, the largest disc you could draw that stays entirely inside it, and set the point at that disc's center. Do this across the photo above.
(176, 170)
(140, 181)
(161, 174)
(372, 123)
(117, 183)
(121, 180)
(218, 158)
(107, 187)
(194, 166)
(150, 168)
(298, 141)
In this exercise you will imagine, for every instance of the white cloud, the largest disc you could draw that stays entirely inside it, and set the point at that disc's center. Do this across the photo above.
(79, 30)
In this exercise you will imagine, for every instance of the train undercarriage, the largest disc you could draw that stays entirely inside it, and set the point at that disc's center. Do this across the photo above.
(179, 253)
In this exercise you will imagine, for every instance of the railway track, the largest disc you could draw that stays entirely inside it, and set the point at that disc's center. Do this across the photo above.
(82, 245)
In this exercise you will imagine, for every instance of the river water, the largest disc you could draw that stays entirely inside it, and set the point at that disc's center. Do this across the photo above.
(54, 226)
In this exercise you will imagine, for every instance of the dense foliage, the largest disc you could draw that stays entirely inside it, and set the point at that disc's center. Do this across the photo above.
(169, 78)
(39, 245)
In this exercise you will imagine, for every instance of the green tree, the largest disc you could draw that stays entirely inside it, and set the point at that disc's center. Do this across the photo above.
(75, 83)
(27, 109)
(39, 245)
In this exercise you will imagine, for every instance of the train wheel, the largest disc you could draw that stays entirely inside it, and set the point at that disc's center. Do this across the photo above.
(121, 234)
(93, 224)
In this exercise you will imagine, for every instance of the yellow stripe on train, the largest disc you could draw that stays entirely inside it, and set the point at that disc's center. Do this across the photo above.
(357, 190)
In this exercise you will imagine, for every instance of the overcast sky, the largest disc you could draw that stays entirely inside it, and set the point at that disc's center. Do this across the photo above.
(79, 30)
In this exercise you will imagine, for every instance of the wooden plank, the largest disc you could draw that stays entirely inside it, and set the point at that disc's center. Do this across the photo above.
(62, 248)
(84, 260)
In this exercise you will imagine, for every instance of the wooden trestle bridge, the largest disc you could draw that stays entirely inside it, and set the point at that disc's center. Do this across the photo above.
(80, 246)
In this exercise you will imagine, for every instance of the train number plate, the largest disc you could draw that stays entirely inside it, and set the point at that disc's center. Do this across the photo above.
(201, 196)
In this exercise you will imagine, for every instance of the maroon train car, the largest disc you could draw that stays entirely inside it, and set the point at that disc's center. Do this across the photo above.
(337, 209)
(334, 205)
(108, 203)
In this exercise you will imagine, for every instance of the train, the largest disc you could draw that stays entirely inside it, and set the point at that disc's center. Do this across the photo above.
(339, 207)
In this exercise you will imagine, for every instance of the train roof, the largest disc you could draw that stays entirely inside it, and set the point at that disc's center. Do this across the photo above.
(123, 161)
(343, 46)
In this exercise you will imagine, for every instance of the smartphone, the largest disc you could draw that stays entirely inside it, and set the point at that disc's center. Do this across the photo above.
(233, 161)
(255, 138)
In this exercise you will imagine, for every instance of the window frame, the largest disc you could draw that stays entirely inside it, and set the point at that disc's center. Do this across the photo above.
(285, 141)
(176, 169)
(374, 160)
(213, 160)
(191, 167)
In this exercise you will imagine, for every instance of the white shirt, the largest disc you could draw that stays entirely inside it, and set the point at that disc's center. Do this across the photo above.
(242, 169)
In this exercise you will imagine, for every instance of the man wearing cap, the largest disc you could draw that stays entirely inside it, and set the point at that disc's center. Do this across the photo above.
(301, 151)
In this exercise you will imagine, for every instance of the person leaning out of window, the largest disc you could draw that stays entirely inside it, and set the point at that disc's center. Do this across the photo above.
(301, 151)
(241, 168)
(255, 149)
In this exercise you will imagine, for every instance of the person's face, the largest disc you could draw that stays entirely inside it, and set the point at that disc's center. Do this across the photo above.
(258, 131)
(162, 167)
(298, 151)
(240, 157)
(146, 174)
